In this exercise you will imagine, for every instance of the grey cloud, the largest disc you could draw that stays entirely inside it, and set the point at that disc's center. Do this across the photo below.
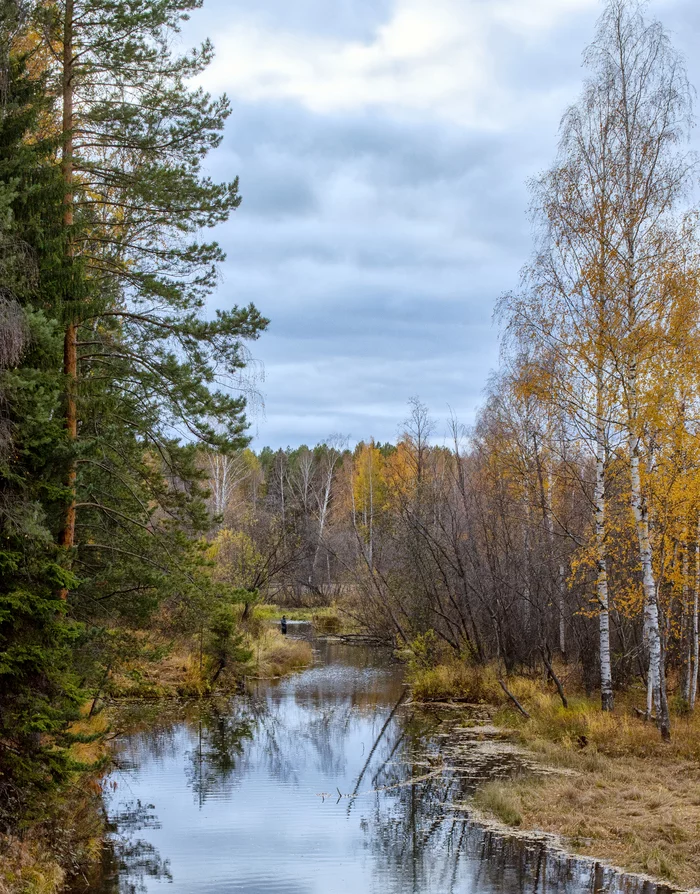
(383, 285)
(378, 243)
(349, 19)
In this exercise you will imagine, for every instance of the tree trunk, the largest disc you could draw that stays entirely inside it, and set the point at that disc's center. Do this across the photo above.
(70, 344)
(546, 657)
(686, 635)
(606, 687)
(562, 616)
(651, 606)
(696, 638)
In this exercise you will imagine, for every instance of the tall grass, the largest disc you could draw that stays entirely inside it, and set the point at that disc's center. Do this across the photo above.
(277, 655)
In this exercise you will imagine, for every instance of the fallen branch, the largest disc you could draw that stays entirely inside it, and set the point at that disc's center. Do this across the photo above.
(550, 670)
(514, 700)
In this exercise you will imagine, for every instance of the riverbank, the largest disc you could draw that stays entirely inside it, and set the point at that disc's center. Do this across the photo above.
(607, 785)
(68, 841)
(181, 670)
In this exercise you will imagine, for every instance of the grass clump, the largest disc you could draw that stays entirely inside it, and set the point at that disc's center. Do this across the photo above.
(278, 655)
(455, 681)
(27, 867)
(500, 800)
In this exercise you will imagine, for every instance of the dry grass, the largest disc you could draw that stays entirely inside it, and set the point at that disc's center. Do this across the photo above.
(277, 655)
(89, 749)
(181, 674)
(583, 727)
(634, 812)
(500, 800)
(631, 798)
(68, 841)
(178, 673)
(27, 867)
(456, 680)
(634, 800)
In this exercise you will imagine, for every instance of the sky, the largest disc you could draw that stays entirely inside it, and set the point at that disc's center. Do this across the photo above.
(384, 149)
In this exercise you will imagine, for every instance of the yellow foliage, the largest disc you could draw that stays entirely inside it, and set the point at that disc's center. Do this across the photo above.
(237, 560)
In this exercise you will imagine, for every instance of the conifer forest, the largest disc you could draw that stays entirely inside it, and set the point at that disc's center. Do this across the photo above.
(538, 564)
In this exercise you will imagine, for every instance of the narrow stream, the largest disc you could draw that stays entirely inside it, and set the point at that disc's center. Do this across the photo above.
(326, 782)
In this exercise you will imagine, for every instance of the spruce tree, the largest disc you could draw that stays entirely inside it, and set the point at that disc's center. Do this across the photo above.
(38, 691)
(111, 371)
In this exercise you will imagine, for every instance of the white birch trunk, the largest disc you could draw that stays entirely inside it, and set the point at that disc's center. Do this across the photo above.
(606, 687)
(651, 606)
(562, 618)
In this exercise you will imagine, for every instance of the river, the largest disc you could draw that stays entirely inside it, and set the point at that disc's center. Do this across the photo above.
(326, 782)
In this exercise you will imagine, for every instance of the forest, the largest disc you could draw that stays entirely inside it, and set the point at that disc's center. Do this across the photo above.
(558, 534)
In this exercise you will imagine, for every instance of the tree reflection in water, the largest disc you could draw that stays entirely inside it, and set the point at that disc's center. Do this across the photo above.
(129, 860)
(328, 781)
(221, 728)
(220, 746)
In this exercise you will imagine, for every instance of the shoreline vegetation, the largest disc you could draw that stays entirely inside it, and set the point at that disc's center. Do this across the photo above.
(605, 784)
(68, 843)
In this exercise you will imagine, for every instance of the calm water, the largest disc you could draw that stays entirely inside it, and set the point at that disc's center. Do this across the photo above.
(324, 783)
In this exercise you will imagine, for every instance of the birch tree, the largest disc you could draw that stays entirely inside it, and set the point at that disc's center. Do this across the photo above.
(643, 88)
(563, 313)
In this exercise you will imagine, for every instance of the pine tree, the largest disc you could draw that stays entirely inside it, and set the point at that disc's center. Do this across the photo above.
(143, 364)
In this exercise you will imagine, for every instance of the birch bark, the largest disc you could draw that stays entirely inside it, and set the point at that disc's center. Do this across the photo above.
(606, 686)
(651, 605)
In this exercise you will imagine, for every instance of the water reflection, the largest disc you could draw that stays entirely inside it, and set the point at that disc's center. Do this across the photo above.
(325, 782)
(213, 764)
(131, 860)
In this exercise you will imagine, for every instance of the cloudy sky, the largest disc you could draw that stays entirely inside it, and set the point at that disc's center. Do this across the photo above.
(384, 148)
